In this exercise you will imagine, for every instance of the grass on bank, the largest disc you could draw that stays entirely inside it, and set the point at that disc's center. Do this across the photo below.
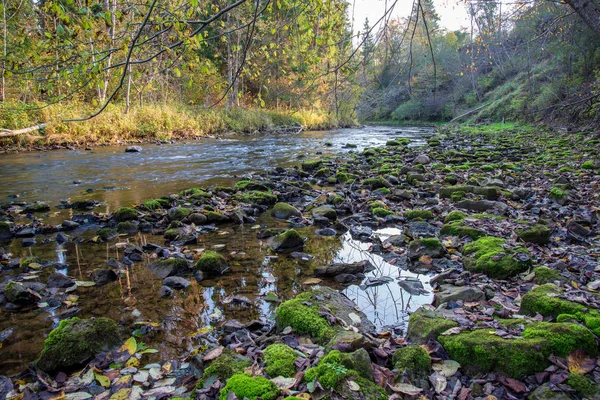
(151, 122)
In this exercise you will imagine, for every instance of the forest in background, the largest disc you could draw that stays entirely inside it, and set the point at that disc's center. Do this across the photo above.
(120, 70)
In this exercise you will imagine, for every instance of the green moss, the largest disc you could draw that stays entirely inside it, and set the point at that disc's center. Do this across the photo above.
(458, 228)
(4, 227)
(545, 300)
(413, 360)
(24, 262)
(583, 386)
(490, 193)
(481, 351)
(226, 365)
(588, 165)
(335, 367)
(178, 213)
(37, 207)
(545, 275)
(311, 165)
(75, 341)
(125, 214)
(425, 325)
(152, 204)
(341, 177)
(338, 199)
(211, 263)
(256, 197)
(539, 234)
(394, 143)
(214, 216)
(487, 255)
(558, 194)
(418, 214)
(384, 191)
(190, 192)
(455, 216)
(323, 172)
(376, 204)
(381, 212)
(171, 234)
(457, 196)
(250, 388)
(279, 360)
(302, 314)
(374, 183)
(563, 338)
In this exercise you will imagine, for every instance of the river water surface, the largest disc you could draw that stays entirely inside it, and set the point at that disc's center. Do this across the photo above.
(184, 321)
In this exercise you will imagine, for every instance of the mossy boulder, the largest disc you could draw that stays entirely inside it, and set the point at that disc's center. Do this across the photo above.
(75, 341)
(251, 388)
(589, 165)
(169, 267)
(490, 193)
(217, 217)
(302, 314)
(375, 183)
(455, 216)
(284, 211)
(107, 234)
(412, 360)
(325, 212)
(381, 212)
(538, 234)
(488, 256)
(37, 207)
(311, 165)
(256, 197)
(563, 338)
(323, 172)
(279, 360)
(212, 264)
(458, 228)
(584, 386)
(545, 275)
(5, 230)
(335, 366)
(286, 241)
(226, 365)
(425, 325)
(251, 185)
(125, 214)
(418, 214)
(17, 293)
(178, 213)
(481, 351)
(546, 300)
(127, 227)
(172, 234)
(431, 247)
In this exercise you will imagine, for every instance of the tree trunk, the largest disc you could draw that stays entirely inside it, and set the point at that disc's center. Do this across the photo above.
(589, 11)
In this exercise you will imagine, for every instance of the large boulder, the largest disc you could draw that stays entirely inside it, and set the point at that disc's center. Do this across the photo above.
(75, 341)
(284, 211)
(431, 247)
(323, 212)
(449, 293)
(19, 294)
(425, 325)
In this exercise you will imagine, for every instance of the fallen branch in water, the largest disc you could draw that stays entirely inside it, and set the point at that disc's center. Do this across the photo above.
(15, 132)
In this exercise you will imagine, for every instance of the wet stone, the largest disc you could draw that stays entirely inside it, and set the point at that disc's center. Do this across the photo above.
(60, 281)
(449, 293)
(165, 291)
(421, 229)
(103, 276)
(176, 282)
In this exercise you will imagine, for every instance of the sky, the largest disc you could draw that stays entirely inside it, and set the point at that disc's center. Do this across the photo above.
(453, 13)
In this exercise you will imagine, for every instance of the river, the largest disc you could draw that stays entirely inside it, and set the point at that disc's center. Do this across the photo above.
(257, 279)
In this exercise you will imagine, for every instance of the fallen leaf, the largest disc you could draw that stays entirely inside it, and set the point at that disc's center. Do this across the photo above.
(102, 380)
(214, 353)
(353, 386)
(451, 331)
(312, 281)
(284, 383)
(447, 367)
(406, 388)
(513, 384)
(580, 363)
(129, 346)
(438, 381)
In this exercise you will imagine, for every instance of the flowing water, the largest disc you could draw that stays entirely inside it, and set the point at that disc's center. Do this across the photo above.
(183, 321)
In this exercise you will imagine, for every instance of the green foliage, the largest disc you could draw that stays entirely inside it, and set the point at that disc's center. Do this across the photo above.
(125, 214)
(279, 360)
(413, 360)
(418, 214)
(227, 365)
(303, 318)
(381, 212)
(251, 388)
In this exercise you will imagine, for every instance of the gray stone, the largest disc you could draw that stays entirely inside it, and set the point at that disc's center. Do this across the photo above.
(454, 293)
(430, 247)
(103, 276)
(169, 267)
(546, 392)
(348, 341)
(412, 286)
(69, 225)
(481, 205)
(197, 219)
(176, 282)
(421, 229)
(325, 212)
(344, 268)
(59, 281)
(422, 159)
(165, 291)
(326, 232)
(133, 149)
(17, 293)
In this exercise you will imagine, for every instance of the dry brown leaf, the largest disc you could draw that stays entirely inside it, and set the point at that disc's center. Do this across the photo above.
(214, 353)
(580, 363)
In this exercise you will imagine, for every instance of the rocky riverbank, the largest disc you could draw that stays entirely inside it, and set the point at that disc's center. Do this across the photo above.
(504, 222)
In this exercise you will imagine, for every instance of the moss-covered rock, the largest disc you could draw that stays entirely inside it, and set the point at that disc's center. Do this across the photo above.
(375, 183)
(286, 241)
(279, 360)
(256, 197)
(481, 351)
(17, 293)
(284, 211)
(335, 366)
(563, 338)
(76, 341)
(418, 214)
(251, 185)
(172, 234)
(538, 234)
(217, 217)
(455, 216)
(381, 212)
(37, 207)
(584, 386)
(589, 165)
(311, 165)
(412, 360)
(323, 172)
(546, 300)
(212, 264)
(5, 231)
(302, 314)
(178, 213)
(545, 275)
(488, 256)
(107, 234)
(226, 365)
(490, 193)
(425, 325)
(559, 195)
(431, 247)
(458, 228)
(251, 388)
(125, 214)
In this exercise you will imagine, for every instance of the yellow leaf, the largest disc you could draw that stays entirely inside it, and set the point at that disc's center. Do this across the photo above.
(129, 346)
(102, 380)
(132, 362)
